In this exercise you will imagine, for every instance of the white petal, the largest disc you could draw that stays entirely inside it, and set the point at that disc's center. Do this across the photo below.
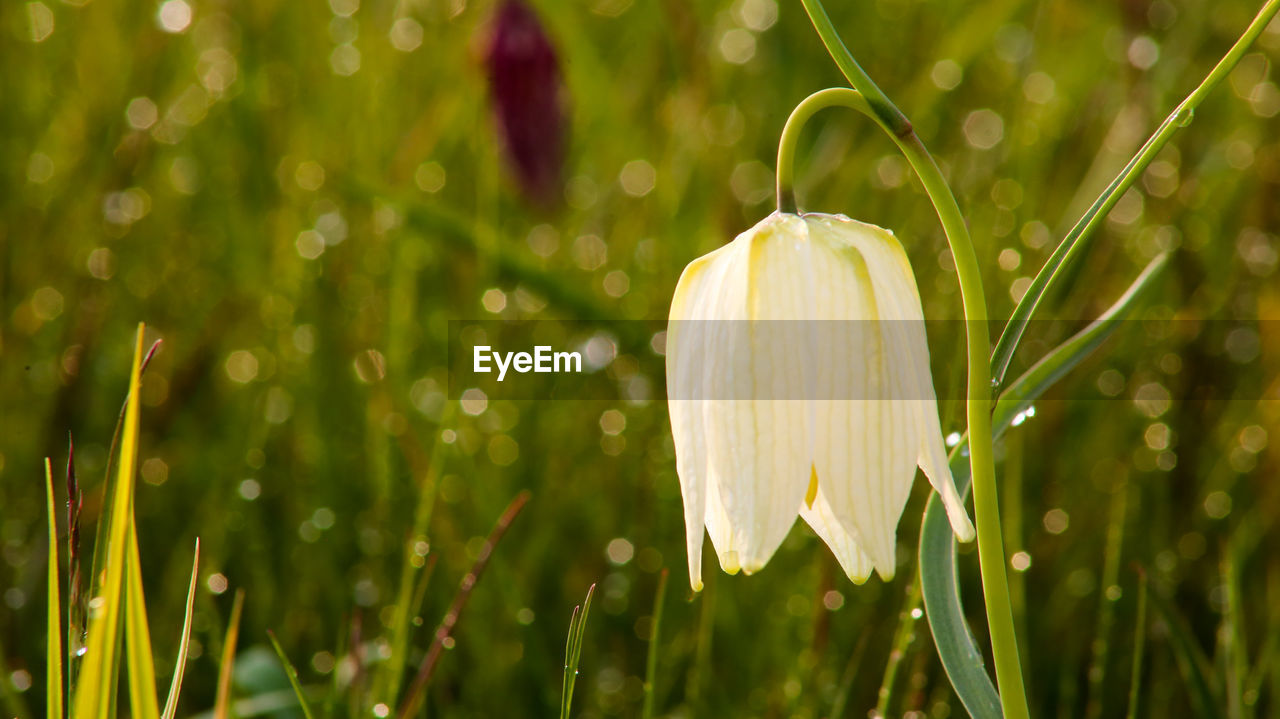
(866, 443)
(685, 377)
(900, 304)
(855, 563)
(756, 422)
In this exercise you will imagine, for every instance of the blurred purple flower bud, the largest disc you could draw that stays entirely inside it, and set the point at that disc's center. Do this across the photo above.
(527, 92)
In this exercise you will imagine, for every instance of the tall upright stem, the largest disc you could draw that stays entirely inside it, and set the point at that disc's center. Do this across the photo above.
(871, 101)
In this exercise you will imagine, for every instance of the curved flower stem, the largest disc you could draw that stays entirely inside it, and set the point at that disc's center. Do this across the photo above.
(808, 107)
(869, 99)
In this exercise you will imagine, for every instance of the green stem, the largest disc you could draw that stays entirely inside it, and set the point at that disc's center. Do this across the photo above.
(991, 559)
(808, 107)
(885, 113)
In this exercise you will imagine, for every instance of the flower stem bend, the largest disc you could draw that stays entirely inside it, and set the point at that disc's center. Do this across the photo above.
(808, 107)
(870, 100)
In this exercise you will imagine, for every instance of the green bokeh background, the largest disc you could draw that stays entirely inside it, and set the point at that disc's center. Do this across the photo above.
(300, 398)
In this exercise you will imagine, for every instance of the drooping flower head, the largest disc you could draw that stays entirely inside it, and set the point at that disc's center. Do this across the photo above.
(798, 383)
(527, 91)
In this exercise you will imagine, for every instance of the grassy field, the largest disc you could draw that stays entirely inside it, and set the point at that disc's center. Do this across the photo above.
(297, 199)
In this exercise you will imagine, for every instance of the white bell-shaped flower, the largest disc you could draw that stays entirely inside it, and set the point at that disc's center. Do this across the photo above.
(798, 383)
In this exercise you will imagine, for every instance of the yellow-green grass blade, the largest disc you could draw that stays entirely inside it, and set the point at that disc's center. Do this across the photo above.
(137, 636)
(292, 674)
(100, 533)
(53, 688)
(1139, 646)
(573, 652)
(180, 664)
(222, 707)
(651, 662)
(409, 598)
(902, 639)
(1203, 691)
(95, 688)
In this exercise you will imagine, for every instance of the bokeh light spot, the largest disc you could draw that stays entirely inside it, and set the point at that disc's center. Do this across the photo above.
(406, 34)
(174, 16)
(983, 129)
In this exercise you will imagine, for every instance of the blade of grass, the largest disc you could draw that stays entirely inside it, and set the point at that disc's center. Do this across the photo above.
(850, 674)
(222, 705)
(1011, 501)
(180, 664)
(137, 635)
(75, 598)
(939, 582)
(1101, 647)
(292, 673)
(573, 651)
(1233, 635)
(1064, 358)
(902, 639)
(1139, 646)
(53, 654)
(1076, 241)
(100, 535)
(391, 677)
(1271, 646)
(1191, 660)
(651, 662)
(95, 689)
(469, 580)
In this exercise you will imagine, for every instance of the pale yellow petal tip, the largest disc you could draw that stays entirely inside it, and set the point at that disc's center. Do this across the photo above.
(695, 578)
(729, 563)
(859, 579)
(886, 575)
(958, 518)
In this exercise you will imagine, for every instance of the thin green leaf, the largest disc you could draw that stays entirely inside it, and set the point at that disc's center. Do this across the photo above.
(1077, 240)
(1233, 635)
(100, 543)
(390, 674)
(902, 639)
(573, 652)
(939, 584)
(1139, 645)
(1271, 645)
(137, 636)
(1100, 648)
(222, 705)
(292, 674)
(74, 630)
(53, 686)
(1190, 658)
(95, 689)
(1051, 368)
(651, 663)
(180, 664)
(841, 699)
